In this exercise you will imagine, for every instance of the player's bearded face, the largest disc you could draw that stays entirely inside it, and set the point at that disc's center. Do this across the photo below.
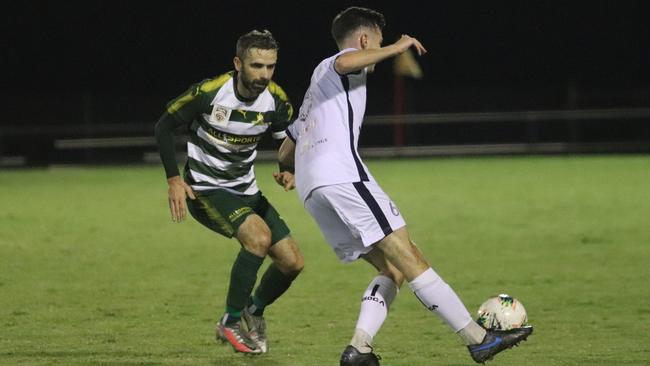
(253, 85)
(256, 71)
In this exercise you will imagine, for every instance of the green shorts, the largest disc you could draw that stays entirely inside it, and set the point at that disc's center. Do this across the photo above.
(223, 212)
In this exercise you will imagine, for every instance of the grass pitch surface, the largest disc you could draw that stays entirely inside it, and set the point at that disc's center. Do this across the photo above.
(93, 271)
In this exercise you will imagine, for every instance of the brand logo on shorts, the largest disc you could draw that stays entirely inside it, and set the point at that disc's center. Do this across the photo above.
(394, 209)
(239, 213)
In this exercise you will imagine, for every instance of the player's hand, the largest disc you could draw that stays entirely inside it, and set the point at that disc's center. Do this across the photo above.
(178, 193)
(285, 179)
(406, 42)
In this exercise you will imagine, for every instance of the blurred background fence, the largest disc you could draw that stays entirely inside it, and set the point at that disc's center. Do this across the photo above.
(405, 135)
(85, 82)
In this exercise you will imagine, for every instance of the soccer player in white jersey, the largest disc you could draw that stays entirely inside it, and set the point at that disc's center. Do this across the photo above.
(225, 118)
(356, 217)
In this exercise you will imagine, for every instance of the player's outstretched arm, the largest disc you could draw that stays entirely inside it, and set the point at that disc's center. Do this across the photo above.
(356, 60)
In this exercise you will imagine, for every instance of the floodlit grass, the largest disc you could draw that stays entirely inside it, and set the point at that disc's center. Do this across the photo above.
(93, 271)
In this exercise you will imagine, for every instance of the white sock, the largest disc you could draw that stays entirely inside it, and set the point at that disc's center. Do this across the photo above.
(374, 308)
(362, 341)
(472, 333)
(438, 297)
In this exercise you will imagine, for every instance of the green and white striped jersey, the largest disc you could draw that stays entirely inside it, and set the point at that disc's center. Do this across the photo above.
(225, 131)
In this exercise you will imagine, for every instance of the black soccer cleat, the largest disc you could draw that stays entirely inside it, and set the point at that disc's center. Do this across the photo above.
(352, 357)
(496, 341)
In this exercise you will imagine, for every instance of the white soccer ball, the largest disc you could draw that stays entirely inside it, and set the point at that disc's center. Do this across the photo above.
(502, 312)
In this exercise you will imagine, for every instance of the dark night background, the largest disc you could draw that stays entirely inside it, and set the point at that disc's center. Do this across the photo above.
(67, 63)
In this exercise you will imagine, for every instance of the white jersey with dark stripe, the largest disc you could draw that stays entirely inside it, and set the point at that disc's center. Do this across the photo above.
(327, 130)
(225, 131)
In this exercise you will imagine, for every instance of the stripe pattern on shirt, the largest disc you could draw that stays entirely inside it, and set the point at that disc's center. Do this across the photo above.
(225, 132)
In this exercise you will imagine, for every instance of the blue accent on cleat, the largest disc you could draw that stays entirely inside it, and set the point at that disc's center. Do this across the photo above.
(496, 341)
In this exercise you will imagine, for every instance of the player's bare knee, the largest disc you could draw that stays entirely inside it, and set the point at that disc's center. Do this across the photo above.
(292, 270)
(255, 236)
(258, 243)
(295, 266)
(291, 265)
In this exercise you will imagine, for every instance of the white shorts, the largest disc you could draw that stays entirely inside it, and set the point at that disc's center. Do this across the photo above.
(353, 216)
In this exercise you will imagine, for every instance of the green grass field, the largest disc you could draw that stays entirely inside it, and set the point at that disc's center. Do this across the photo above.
(93, 271)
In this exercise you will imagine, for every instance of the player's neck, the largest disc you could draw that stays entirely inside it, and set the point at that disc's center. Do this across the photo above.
(238, 87)
(348, 45)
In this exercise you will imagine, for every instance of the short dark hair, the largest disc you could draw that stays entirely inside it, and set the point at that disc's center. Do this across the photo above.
(354, 17)
(255, 39)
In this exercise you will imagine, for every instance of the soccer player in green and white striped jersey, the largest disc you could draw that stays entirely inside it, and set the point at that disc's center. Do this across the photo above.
(226, 117)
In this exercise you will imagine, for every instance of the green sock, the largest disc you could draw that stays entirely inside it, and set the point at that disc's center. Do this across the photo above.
(272, 285)
(234, 315)
(242, 281)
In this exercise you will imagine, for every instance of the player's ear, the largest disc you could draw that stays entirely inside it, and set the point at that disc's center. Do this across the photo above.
(363, 40)
(237, 62)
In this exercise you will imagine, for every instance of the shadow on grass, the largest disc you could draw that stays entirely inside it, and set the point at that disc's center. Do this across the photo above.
(96, 358)
(244, 360)
(125, 358)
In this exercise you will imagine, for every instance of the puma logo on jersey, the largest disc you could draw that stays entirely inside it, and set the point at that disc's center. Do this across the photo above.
(259, 120)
